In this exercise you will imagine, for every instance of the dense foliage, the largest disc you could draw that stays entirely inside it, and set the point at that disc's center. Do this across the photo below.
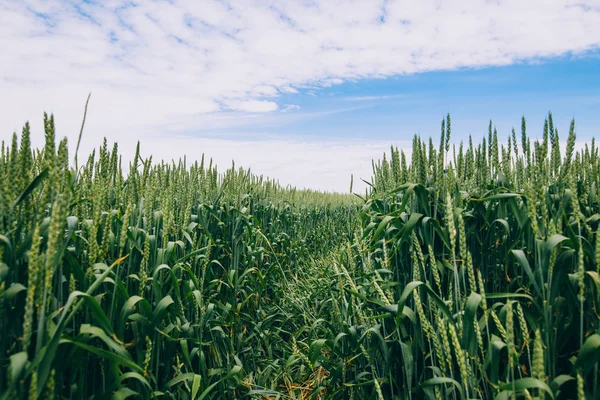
(471, 273)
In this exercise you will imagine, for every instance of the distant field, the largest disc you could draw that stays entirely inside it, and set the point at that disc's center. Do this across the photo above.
(467, 271)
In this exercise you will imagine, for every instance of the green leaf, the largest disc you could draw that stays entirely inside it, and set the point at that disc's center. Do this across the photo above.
(161, 309)
(499, 196)
(382, 226)
(439, 302)
(208, 390)
(109, 355)
(406, 311)
(4, 239)
(589, 353)
(14, 290)
(234, 371)
(508, 296)
(128, 309)
(136, 376)
(559, 381)
(180, 378)
(469, 341)
(314, 351)
(440, 380)
(526, 383)
(524, 263)
(31, 187)
(593, 275)
(97, 313)
(124, 393)
(96, 332)
(16, 367)
(196, 385)
(548, 248)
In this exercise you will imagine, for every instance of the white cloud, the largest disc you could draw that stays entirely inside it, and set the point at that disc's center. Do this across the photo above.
(158, 68)
(289, 107)
(252, 105)
(372, 98)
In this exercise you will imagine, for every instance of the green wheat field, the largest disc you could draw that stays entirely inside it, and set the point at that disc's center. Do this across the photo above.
(464, 271)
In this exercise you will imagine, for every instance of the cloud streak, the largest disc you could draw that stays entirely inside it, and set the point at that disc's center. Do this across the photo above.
(372, 98)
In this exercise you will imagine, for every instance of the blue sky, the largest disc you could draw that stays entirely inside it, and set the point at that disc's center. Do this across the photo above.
(397, 107)
(305, 92)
